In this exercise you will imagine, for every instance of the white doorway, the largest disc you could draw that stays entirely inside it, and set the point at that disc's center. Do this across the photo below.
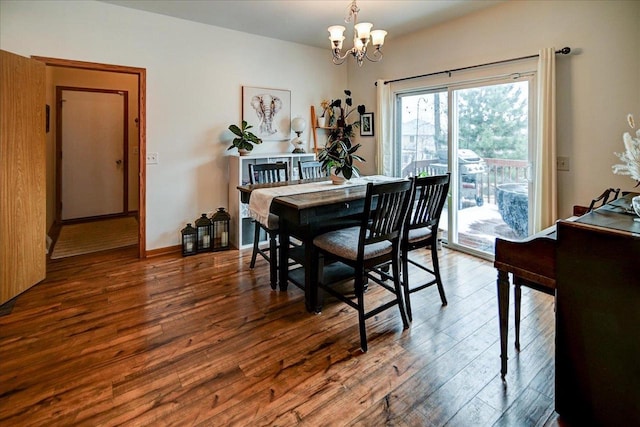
(137, 176)
(93, 158)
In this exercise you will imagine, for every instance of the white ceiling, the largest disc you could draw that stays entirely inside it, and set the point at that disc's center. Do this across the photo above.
(306, 21)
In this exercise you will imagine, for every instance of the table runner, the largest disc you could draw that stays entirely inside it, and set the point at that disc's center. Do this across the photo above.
(260, 201)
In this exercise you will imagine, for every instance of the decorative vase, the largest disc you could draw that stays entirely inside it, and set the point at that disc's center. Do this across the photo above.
(337, 179)
(243, 151)
(322, 122)
(635, 202)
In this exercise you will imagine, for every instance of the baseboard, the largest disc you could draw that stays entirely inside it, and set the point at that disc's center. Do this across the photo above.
(163, 251)
(169, 250)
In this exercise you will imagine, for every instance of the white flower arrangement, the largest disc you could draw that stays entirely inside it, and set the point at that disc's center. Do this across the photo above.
(631, 157)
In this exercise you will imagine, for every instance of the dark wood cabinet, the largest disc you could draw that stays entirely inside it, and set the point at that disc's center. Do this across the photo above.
(598, 319)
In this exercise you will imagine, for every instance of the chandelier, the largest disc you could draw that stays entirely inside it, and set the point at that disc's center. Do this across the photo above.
(362, 36)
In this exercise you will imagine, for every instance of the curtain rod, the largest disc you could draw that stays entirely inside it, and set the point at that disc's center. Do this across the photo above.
(563, 51)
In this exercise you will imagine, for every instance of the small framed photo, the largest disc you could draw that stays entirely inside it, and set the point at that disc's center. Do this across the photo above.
(268, 111)
(366, 124)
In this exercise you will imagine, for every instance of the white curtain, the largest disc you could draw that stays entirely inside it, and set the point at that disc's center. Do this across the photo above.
(384, 130)
(545, 206)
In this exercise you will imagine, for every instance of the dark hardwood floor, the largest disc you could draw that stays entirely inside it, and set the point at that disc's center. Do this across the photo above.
(108, 339)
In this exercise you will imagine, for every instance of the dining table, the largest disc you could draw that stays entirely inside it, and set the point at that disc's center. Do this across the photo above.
(306, 208)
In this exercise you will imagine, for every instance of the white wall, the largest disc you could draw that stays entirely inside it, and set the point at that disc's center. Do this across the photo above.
(195, 75)
(596, 87)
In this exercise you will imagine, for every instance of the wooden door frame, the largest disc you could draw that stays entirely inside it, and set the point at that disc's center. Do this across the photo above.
(141, 73)
(125, 147)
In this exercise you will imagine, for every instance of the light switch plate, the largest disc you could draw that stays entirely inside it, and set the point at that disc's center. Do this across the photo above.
(562, 163)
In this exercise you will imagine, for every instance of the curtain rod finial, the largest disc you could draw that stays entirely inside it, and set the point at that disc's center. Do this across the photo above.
(565, 50)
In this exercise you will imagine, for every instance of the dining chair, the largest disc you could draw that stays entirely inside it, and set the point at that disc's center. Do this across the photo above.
(259, 174)
(365, 249)
(311, 169)
(429, 195)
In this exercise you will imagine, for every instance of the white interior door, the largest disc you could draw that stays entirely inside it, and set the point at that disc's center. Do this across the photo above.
(92, 164)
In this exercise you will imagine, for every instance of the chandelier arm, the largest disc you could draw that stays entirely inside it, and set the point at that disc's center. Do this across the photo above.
(376, 57)
(337, 59)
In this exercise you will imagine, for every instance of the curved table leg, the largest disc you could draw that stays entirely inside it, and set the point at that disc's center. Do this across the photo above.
(503, 317)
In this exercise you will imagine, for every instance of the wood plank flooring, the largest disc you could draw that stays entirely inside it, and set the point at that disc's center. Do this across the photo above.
(108, 339)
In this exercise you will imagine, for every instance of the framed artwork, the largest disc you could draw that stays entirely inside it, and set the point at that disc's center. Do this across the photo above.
(268, 111)
(366, 124)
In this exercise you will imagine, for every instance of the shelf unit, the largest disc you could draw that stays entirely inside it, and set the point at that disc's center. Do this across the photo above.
(241, 227)
(315, 127)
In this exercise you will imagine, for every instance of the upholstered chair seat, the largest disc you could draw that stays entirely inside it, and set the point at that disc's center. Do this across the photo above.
(272, 222)
(344, 244)
(418, 235)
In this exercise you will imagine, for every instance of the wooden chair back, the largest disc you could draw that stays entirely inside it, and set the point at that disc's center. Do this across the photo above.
(429, 196)
(385, 210)
(311, 169)
(268, 172)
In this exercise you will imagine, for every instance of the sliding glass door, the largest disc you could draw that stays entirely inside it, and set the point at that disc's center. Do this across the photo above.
(423, 133)
(486, 128)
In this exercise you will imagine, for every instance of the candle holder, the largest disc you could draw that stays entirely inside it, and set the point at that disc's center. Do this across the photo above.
(189, 240)
(203, 229)
(220, 221)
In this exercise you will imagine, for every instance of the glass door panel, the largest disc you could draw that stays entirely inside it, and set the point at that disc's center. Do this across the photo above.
(491, 145)
(423, 135)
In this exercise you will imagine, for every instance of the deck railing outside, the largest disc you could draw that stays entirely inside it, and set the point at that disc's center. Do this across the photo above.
(497, 171)
(502, 171)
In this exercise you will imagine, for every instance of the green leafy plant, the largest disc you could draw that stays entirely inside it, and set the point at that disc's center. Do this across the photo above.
(339, 155)
(245, 139)
(339, 152)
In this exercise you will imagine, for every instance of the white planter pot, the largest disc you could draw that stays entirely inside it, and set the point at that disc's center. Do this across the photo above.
(322, 122)
(243, 151)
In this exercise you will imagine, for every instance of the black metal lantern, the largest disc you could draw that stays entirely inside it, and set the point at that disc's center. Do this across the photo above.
(220, 223)
(203, 228)
(189, 242)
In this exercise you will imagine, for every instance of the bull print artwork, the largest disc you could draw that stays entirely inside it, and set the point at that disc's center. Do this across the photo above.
(268, 111)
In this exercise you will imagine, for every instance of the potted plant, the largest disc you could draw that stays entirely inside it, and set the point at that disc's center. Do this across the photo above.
(245, 139)
(339, 154)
